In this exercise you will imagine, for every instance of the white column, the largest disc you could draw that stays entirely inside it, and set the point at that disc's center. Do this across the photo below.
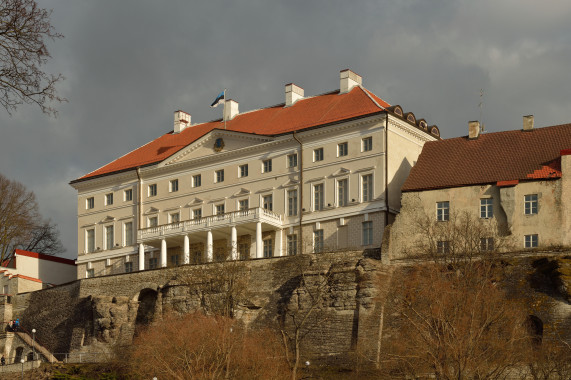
(141, 256)
(234, 243)
(259, 249)
(163, 253)
(186, 250)
(209, 255)
(278, 248)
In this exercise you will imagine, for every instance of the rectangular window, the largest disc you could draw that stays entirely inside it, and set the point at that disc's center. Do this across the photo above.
(220, 209)
(90, 247)
(128, 233)
(342, 192)
(486, 208)
(128, 267)
(318, 154)
(292, 160)
(174, 185)
(318, 241)
(153, 221)
(367, 187)
(109, 199)
(486, 244)
(531, 241)
(153, 190)
(244, 250)
(175, 260)
(443, 247)
(268, 247)
(367, 233)
(342, 149)
(291, 245)
(174, 217)
(109, 237)
(219, 175)
(196, 180)
(243, 205)
(243, 170)
(90, 273)
(267, 202)
(530, 204)
(292, 202)
(197, 213)
(128, 195)
(90, 203)
(318, 195)
(367, 144)
(266, 166)
(153, 263)
(442, 211)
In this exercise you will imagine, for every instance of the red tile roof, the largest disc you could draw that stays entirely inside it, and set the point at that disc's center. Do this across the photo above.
(305, 113)
(492, 157)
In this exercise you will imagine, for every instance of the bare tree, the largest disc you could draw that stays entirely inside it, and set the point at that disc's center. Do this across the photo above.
(25, 29)
(21, 225)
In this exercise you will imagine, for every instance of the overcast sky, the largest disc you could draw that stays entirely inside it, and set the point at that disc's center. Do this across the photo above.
(130, 64)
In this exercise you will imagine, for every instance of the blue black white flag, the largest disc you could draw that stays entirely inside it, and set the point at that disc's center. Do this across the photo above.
(219, 99)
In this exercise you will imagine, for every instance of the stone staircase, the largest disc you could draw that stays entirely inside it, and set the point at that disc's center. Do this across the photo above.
(26, 338)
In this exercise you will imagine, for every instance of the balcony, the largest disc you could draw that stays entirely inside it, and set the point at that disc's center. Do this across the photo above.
(229, 219)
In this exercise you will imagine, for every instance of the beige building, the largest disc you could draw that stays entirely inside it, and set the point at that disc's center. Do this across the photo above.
(28, 271)
(517, 183)
(242, 186)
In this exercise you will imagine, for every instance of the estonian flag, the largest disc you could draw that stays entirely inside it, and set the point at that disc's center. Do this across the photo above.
(219, 99)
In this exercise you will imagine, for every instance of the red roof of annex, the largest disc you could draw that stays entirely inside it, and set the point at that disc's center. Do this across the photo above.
(305, 113)
(502, 158)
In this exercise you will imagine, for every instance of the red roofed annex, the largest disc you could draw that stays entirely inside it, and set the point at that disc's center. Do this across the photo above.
(517, 181)
(312, 174)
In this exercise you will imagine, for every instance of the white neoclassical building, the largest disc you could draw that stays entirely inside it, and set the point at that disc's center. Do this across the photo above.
(311, 174)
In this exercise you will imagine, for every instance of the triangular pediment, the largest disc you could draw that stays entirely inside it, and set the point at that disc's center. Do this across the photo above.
(243, 191)
(195, 201)
(108, 218)
(289, 183)
(216, 142)
(341, 172)
(151, 210)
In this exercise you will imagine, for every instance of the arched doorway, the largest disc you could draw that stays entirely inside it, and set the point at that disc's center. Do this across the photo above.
(19, 352)
(146, 311)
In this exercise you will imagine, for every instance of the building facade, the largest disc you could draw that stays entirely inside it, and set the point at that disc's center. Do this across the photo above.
(516, 184)
(309, 175)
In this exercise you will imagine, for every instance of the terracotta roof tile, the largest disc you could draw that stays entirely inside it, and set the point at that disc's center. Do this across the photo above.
(305, 113)
(492, 157)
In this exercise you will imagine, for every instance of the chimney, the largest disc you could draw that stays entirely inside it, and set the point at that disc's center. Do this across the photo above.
(473, 130)
(528, 123)
(293, 93)
(230, 109)
(181, 121)
(348, 80)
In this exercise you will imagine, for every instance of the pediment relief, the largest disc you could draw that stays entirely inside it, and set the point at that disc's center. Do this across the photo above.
(365, 169)
(266, 190)
(172, 208)
(315, 179)
(243, 191)
(152, 210)
(341, 172)
(195, 201)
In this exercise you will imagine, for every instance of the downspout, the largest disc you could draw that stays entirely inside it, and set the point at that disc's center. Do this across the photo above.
(140, 200)
(387, 169)
(300, 190)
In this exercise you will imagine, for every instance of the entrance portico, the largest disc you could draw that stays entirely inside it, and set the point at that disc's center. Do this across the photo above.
(227, 226)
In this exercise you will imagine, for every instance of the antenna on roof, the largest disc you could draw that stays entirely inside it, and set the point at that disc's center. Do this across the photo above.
(481, 105)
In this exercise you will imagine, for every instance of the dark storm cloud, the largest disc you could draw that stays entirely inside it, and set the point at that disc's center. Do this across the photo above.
(130, 64)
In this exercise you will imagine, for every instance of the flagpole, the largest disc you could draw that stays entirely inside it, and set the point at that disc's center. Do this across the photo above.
(224, 110)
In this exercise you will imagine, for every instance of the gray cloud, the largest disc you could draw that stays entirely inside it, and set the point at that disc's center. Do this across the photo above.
(130, 64)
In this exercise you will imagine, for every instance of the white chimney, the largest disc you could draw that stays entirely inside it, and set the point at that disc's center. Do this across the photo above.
(528, 123)
(348, 80)
(230, 109)
(293, 93)
(473, 129)
(181, 121)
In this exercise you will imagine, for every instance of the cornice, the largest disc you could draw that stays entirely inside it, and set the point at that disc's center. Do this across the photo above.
(111, 180)
(413, 131)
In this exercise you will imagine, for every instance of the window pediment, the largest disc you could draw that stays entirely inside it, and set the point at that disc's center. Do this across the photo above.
(152, 210)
